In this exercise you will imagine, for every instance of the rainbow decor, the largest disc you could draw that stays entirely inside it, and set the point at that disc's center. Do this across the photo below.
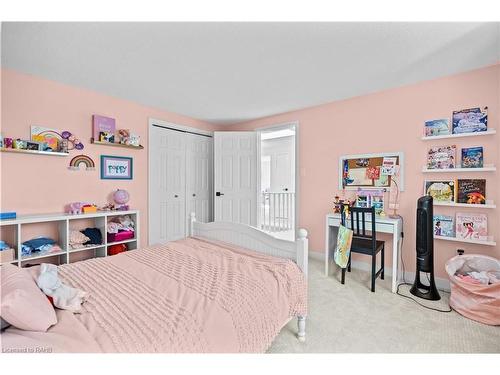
(78, 160)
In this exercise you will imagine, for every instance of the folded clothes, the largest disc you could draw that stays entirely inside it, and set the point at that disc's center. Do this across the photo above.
(42, 250)
(94, 235)
(35, 243)
(4, 246)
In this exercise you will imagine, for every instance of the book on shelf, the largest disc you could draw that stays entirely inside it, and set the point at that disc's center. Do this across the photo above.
(470, 120)
(444, 225)
(471, 226)
(103, 128)
(472, 157)
(441, 157)
(440, 191)
(437, 127)
(471, 191)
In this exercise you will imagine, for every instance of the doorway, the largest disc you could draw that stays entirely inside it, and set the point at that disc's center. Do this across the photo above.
(278, 180)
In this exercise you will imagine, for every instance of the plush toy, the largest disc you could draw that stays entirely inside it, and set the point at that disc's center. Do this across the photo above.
(75, 208)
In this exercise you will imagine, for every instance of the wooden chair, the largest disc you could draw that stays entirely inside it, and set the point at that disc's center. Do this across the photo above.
(362, 242)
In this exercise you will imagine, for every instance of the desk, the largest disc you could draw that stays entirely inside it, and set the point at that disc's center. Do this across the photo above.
(382, 225)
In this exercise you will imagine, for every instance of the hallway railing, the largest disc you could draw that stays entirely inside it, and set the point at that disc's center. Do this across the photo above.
(278, 211)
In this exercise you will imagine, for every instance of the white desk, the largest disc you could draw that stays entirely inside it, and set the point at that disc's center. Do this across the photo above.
(382, 225)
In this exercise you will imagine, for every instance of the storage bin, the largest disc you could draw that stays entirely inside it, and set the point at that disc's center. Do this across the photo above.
(7, 255)
(120, 236)
(478, 302)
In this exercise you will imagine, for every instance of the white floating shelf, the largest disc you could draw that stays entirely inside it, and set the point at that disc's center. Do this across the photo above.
(487, 168)
(34, 152)
(489, 204)
(476, 242)
(475, 134)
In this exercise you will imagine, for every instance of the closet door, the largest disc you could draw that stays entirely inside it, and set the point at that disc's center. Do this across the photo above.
(199, 171)
(236, 177)
(167, 185)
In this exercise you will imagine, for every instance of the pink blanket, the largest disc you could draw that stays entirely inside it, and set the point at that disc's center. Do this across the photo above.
(191, 295)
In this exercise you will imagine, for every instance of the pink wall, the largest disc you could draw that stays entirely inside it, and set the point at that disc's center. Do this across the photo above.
(44, 184)
(388, 121)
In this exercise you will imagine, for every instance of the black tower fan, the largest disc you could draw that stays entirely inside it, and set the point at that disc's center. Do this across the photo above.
(425, 251)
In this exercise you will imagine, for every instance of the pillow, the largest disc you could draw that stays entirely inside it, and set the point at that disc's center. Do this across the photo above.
(23, 304)
(77, 238)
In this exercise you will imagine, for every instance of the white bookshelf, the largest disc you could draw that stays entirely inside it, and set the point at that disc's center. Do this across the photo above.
(476, 242)
(64, 223)
(486, 168)
(489, 204)
(461, 135)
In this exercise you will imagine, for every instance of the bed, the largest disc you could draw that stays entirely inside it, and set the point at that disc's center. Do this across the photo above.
(226, 288)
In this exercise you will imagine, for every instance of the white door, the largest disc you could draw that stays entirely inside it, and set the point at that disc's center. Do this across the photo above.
(199, 177)
(235, 163)
(167, 185)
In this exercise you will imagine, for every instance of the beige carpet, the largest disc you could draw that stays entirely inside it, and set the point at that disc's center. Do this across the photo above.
(349, 318)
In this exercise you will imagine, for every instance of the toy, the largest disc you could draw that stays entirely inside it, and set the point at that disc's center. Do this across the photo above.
(7, 142)
(124, 136)
(75, 208)
(88, 208)
(72, 139)
(121, 197)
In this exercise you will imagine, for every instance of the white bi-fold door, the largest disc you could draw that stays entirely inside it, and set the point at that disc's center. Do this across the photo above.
(236, 177)
(180, 182)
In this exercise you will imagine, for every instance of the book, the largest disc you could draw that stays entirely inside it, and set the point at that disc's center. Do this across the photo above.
(472, 157)
(437, 127)
(441, 157)
(471, 226)
(444, 225)
(103, 128)
(371, 198)
(440, 191)
(471, 191)
(470, 120)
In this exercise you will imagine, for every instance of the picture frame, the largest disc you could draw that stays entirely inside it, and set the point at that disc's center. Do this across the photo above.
(33, 146)
(117, 167)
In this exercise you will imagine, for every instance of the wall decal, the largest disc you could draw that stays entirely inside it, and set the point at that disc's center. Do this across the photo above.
(87, 161)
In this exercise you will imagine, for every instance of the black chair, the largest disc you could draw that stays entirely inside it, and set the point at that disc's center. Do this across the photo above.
(362, 242)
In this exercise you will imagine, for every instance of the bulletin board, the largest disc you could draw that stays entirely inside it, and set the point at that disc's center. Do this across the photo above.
(366, 171)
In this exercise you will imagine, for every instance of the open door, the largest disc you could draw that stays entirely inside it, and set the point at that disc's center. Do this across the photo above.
(236, 177)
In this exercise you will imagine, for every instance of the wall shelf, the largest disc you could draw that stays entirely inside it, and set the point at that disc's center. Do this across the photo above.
(475, 134)
(488, 204)
(33, 152)
(476, 242)
(140, 147)
(486, 168)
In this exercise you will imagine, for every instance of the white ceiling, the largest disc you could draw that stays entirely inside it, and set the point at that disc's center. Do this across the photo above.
(231, 72)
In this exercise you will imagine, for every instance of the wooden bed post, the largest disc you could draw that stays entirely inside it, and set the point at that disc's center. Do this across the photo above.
(192, 219)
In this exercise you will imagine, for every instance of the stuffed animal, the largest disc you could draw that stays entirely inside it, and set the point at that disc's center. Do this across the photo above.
(75, 208)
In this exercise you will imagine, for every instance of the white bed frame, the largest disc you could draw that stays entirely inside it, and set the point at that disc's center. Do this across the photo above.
(257, 240)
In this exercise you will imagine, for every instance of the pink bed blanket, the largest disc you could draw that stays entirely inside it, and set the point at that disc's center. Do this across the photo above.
(191, 295)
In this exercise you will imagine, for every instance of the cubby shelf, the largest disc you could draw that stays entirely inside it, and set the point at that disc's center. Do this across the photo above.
(487, 168)
(64, 223)
(475, 134)
(33, 152)
(476, 242)
(466, 205)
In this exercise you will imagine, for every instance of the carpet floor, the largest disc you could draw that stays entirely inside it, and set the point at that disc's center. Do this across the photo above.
(350, 319)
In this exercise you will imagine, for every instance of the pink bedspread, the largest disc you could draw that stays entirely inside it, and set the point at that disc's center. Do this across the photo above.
(191, 295)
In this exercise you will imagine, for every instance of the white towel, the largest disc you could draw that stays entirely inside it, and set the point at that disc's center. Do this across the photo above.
(64, 297)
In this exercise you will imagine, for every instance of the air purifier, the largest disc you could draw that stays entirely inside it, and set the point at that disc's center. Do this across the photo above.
(425, 251)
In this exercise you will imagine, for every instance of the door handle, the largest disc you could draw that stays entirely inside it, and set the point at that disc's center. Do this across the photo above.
(194, 195)
(218, 194)
(176, 196)
(285, 189)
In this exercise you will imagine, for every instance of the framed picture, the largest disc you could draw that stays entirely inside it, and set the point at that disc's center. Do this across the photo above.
(35, 146)
(116, 168)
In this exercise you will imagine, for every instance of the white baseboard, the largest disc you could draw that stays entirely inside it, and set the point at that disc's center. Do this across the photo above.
(443, 284)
